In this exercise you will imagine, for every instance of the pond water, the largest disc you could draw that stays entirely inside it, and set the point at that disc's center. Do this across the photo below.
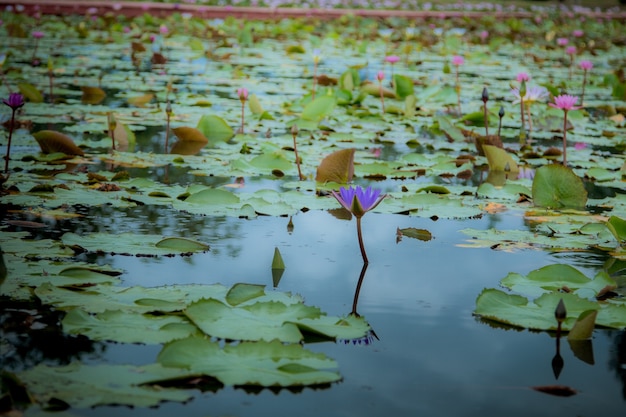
(427, 352)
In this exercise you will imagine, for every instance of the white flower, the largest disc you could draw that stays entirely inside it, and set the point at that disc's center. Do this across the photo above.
(533, 94)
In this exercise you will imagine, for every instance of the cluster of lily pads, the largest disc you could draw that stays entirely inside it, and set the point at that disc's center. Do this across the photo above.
(272, 118)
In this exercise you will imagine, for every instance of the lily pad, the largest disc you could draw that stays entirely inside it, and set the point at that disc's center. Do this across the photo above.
(268, 364)
(557, 187)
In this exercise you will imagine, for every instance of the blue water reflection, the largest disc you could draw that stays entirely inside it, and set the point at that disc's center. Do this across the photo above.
(432, 356)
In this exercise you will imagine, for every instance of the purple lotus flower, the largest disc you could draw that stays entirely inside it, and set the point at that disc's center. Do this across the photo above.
(358, 201)
(15, 101)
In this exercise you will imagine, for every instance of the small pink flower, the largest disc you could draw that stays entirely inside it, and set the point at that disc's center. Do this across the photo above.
(37, 34)
(586, 65)
(380, 76)
(242, 93)
(457, 60)
(562, 41)
(570, 50)
(522, 76)
(163, 29)
(565, 102)
(152, 38)
(578, 33)
(580, 145)
(392, 59)
(484, 35)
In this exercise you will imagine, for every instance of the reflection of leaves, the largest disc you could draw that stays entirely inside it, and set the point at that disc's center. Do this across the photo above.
(419, 234)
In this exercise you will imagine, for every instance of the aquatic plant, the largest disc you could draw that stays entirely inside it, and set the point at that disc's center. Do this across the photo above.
(571, 52)
(485, 99)
(243, 96)
(15, 101)
(566, 103)
(392, 59)
(457, 61)
(36, 35)
(380, 77)
(586, 66)
(316, 61)
(359, 201)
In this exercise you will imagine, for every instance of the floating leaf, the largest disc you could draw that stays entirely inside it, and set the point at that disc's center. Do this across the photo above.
(453, 132)
(140, 101)
(556, 187)
(30, 92)
(241, 293)
(215, 129)
(125, 327)
(403, 86)
(319, 108)
(52, 141)
(558, 390)
(180, 244)
(187, 147)
(499, 159)
(337, 167)
(419, 234)
(85, 386)
(212, 196)
(255, 104)
(267, 364)
(92, 95)
(617, 226)
(190, 134)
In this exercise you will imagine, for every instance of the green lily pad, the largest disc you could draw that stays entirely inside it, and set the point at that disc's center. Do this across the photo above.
(267, 364)
(557, 187)
(516, 310)
(133, 244)
(85, 386)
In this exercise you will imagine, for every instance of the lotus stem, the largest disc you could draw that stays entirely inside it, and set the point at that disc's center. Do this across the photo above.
(6, 158)
(582, 95)
(294, 133)
(360, 235)
(358, 290)
(564, 137)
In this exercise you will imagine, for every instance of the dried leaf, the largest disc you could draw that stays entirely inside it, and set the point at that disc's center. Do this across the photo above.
(141, 101)
(337, 167)
(52, 141)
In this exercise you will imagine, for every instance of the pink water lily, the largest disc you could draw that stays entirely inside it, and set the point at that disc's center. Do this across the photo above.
(392, 59)
(566, 103)
(359, 201)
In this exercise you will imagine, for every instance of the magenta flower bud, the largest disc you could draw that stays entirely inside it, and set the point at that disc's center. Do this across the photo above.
(562, 41)
(242, 93)
(522, 76)
(37, 34)
(586, 65)
(570, 50)
(380, 76)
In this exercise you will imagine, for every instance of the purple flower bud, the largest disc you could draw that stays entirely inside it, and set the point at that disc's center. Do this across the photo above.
(15, 101)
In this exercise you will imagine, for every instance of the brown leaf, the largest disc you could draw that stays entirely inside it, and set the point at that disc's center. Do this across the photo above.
(190, 134)
(52, 141)
(337, 167)
(140, 101)
(138, 47)
(158, 58)
(558, 390)
(186, 147)
(92, 95)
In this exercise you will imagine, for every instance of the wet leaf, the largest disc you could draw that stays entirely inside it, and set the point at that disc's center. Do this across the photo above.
(403, 86)
(499, 159)
(132, 244)
(319, 108)
(141, 100)
(52, 141)
(179, 244)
